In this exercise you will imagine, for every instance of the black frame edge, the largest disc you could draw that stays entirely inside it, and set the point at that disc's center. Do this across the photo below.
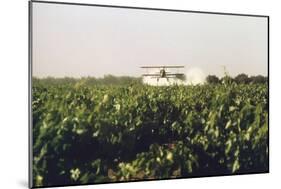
(30, 136)
(268, 87)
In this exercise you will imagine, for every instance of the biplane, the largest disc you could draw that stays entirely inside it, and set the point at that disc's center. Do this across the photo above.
(163, 73)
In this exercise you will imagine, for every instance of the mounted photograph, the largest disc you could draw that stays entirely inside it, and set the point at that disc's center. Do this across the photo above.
(122, 94)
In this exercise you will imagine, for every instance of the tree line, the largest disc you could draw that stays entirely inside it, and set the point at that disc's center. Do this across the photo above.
(106, 80)
(127, 80)
(239, 79)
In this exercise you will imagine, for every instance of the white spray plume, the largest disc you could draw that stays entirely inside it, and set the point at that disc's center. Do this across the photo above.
(162, 81)
(195, 76)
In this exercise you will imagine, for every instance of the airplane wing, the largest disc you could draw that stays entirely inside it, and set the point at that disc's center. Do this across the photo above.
(175, 74)
(162, 67)
(154, 75)
(173, 66)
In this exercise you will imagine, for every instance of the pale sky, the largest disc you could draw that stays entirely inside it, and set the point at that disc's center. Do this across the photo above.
(77, 41)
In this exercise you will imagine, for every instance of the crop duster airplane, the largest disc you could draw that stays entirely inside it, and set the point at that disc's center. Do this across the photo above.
(163, 73)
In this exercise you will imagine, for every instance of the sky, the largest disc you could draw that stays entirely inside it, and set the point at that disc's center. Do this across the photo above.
(81, 41)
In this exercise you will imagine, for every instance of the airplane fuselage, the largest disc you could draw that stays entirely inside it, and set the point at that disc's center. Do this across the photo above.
(162, 73)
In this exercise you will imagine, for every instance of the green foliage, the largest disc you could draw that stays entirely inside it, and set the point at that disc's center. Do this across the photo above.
(90, 134)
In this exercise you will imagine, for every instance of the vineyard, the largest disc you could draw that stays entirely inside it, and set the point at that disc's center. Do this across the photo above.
(108, 133)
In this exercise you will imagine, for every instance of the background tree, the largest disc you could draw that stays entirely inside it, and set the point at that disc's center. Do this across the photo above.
(258, 79)
(212, 79)
(242, 79)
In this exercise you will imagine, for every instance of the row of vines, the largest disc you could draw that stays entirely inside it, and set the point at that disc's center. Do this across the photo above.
(95, 134)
